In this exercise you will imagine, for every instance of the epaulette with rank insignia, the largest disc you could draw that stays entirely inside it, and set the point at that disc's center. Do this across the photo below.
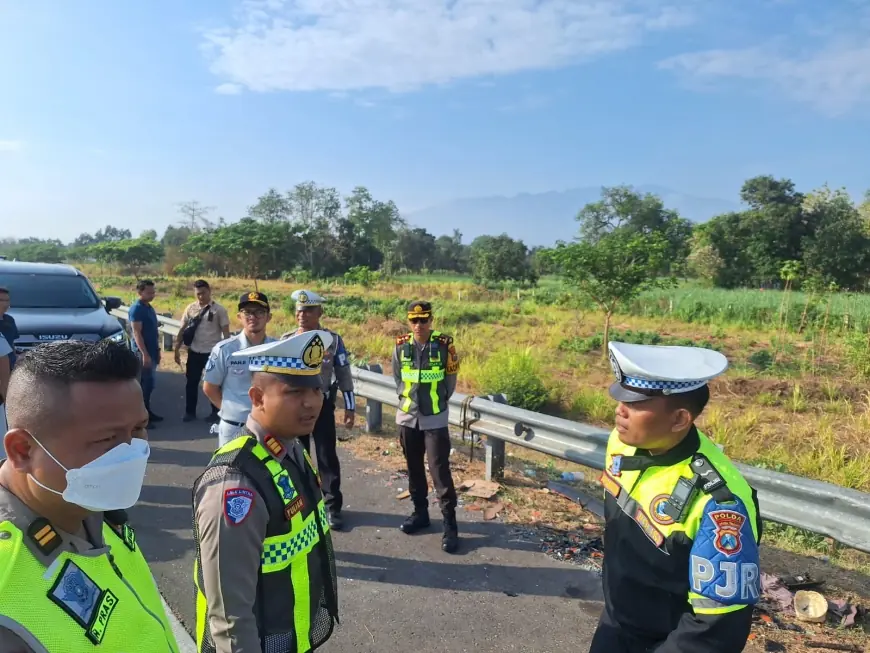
(401, 340)
(445, 339)
(43, 535)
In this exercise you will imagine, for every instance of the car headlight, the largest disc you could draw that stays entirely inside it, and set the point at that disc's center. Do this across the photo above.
(120, 336)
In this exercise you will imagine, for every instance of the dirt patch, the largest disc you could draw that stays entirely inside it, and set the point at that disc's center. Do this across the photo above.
(810, 389)
(390, 328)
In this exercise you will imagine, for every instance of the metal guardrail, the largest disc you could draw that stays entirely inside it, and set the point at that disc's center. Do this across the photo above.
(816, 506)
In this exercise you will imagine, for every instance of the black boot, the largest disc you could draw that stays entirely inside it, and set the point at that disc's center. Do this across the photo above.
(418, 520)
(450, 539)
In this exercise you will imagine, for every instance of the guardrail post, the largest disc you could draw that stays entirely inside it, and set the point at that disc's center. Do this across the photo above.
(374, 409)
(168, 340)
(495, 449)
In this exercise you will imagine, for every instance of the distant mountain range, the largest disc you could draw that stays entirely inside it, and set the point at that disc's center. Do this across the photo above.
(544, 218)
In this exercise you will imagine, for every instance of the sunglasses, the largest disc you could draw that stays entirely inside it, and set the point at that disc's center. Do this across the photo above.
(260, 313)
(419, 320)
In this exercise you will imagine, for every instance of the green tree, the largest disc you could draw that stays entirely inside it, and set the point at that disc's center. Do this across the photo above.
(132, 253)
(270, 208)
(501, 258)
(839, 250)
(623, 208)
(616, 268)
(415, 249)
(375, 223)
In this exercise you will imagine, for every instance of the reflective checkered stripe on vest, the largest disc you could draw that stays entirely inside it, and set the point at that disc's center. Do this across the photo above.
(424, 386)
(296, 597)
(82, 604)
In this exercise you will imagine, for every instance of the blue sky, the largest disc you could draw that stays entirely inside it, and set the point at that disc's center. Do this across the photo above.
(113, 111)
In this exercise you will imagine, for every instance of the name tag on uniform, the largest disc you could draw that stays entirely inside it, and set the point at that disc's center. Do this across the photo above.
(294, 507)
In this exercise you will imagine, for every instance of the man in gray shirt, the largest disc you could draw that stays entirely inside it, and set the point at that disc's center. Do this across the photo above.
(227, 379)
(425, 365)
(309, 310)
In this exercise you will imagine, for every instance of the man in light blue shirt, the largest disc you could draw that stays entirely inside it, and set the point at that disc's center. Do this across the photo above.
(227, 378)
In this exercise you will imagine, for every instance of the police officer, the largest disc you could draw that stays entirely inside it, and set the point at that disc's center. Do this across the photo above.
(309, 310)
(425, 366)
(681, 569)
(227, 379)
(72, 578)
(265, 571)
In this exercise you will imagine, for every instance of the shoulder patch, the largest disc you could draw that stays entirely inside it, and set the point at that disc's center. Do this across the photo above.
(237, 504)
(724, 563)
(80, 597)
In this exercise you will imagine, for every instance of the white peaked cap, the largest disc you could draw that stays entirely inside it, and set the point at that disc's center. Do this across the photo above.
(643, 371)
(304, 298)
(298, 357)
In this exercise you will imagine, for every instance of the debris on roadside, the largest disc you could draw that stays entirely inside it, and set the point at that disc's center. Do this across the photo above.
(491, 511)
(810, 606)
(576, 547)
(479, 488)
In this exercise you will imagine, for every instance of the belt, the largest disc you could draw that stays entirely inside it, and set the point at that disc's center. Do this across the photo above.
(231, 422)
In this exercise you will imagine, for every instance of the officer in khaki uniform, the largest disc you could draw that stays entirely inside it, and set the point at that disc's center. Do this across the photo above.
(265, 571)
(425, 365)
(72, 577)
(309, 310)
(681, 569)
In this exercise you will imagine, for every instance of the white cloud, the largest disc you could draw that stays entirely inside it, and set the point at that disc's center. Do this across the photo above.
(335, 45)
(228, 89)
(11, 146)
(834, 80)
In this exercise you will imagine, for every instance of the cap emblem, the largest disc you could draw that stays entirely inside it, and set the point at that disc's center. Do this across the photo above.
(253, 296)
(312, 355)
(303, 298)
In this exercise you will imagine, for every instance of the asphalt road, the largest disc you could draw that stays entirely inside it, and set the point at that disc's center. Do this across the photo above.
(496, 594)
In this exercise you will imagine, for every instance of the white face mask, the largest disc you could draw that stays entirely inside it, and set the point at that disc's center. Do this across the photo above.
(111, 482)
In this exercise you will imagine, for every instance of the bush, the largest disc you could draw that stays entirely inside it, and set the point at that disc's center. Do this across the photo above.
(516, 374)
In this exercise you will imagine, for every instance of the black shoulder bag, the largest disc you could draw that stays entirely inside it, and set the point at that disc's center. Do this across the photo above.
(190, 330)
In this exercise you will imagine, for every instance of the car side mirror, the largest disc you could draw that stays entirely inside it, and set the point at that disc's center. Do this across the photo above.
(112, 303)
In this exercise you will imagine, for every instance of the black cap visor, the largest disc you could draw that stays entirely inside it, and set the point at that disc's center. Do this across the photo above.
(628, 395)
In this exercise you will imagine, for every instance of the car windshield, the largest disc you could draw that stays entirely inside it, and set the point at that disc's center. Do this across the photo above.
(48, 291)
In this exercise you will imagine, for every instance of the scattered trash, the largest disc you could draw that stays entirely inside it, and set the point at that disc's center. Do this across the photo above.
(801, 582)
(775, 595)
(578, 548)
(834, 646)
(592, 504)
(575, 477)
(531, 473)
(810, 606)
(846, 612)
(480, 489)
(492, 510)
(403, 495)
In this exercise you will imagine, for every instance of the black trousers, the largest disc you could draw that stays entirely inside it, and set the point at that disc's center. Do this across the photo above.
(193, 371)
(610, 638)
(435, 444)
(325, 442)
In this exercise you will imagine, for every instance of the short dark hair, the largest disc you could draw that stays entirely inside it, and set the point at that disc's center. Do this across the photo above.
(201, 283)
(694, 401)
(143, 284)
(49, 370)
(3, 289)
